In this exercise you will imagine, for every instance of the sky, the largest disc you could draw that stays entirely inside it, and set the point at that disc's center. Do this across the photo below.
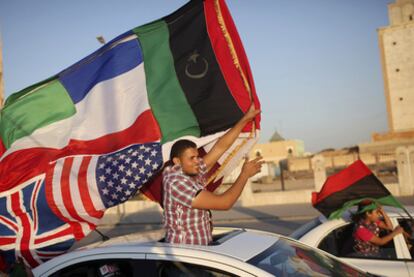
(316, 63)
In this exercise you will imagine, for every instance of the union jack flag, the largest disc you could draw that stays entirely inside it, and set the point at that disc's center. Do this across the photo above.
(28, 227)
(43, 217)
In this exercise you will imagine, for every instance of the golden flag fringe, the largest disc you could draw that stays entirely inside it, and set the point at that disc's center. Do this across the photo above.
(246, 84)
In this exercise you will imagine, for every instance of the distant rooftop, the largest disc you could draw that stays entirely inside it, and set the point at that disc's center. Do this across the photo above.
(276, 137)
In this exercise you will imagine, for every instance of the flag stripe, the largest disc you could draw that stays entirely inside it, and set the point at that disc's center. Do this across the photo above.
(343, 180)
(164, 91)
(53, 172)
(75, 195)
(7, 241)
(198, 72)
(8, 223)
(24, 240)
(129, 101)
(84, 190)
(213, 11)
(387, 200)
(224, 39)
(2, 147)
(55, 235)
(76, 208)
(62, 195)
(106, 65)
(18, 166)
(33, 204)
(93, 186)
(67, 196)
(369, 187)
(48, 104)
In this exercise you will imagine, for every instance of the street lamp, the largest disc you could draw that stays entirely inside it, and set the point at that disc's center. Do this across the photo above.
(101, 39)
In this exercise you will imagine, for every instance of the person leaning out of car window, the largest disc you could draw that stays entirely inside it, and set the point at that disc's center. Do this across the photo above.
(369, 220)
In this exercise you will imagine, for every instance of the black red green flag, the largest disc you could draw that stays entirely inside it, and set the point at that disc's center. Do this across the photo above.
(348, 187)
(207, 63)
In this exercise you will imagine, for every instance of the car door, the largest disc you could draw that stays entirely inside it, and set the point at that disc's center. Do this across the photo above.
(339, 242)
(407, 248)
(410, 266)
(80, 265)
(96, 267)
(214, 266)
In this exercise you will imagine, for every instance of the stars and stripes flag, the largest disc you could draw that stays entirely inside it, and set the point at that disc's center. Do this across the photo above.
(183, 76)
(65, 204)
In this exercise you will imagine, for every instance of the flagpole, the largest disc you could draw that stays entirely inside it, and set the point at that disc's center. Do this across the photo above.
(104, 237)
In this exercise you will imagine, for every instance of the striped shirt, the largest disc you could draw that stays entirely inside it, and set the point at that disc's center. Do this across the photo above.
(183, 223)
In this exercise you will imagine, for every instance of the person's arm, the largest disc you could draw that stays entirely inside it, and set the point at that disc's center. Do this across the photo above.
(228, 139)
(386, 224)
(384, 240)
(208, 200)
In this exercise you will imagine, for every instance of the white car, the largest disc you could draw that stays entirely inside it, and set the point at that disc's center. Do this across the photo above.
(235, 252)
(336, 238)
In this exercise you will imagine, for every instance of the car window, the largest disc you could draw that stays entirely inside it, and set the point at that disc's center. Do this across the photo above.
(97, 268)
(407, 224)
(340, 242)
(289, 258)
(162, 268)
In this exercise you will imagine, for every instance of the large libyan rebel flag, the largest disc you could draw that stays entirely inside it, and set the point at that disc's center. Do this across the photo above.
(91, 136)
(348, 187)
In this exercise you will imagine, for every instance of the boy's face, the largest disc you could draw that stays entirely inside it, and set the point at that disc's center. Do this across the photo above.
(189, 161)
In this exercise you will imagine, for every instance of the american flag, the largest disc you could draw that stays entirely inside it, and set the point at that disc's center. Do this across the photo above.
(43, 218)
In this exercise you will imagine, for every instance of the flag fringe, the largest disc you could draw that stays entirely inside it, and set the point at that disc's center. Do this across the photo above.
(245, 82)
(231, 46)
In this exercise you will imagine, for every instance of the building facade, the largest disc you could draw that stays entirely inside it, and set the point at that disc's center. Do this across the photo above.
(396, 43)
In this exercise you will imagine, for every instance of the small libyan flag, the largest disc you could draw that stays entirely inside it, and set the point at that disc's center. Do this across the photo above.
(348, 187)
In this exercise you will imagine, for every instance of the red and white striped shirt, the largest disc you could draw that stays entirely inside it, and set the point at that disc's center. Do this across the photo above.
(183, 223)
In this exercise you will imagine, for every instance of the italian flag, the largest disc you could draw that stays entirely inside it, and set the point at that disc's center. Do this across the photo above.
(183, 76)
(348, 187)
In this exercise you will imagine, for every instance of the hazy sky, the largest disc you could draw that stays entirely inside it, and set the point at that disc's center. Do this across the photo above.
(316, 63)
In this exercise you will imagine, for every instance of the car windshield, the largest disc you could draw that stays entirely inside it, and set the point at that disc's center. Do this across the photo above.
(288, 258)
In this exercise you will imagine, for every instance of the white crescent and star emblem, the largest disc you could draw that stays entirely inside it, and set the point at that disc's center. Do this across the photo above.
(194, 59)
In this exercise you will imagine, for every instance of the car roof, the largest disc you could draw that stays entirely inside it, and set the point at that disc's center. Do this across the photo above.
(234, 243)
(238, 243)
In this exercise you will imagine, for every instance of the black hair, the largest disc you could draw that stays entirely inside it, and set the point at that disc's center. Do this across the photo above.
(180, 146)
(358, 216)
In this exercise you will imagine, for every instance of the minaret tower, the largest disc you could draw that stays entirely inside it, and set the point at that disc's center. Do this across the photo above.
(396, 43)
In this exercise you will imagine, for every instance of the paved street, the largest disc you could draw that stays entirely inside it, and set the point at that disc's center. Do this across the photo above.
(281, 219)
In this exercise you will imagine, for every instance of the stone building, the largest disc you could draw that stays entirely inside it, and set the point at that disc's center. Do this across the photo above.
(278, 148)
(275, 150)
(396, 43)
